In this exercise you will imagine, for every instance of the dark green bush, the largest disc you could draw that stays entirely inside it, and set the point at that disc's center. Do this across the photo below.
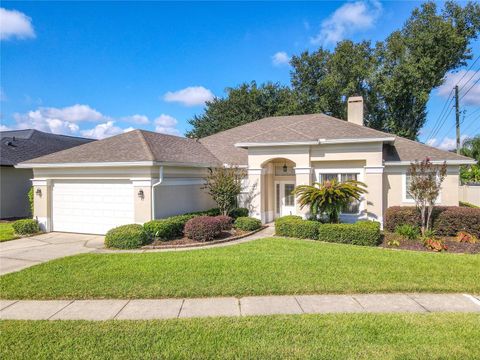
(167, 229)
(26, 227)
(238, 212)
(445, 220)
(30, 200)
(366, 233)
(126, 237)
(294, 226)
(454, 219)
(246, 223)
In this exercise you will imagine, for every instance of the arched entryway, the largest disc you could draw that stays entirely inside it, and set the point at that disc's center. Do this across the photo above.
(278, 183)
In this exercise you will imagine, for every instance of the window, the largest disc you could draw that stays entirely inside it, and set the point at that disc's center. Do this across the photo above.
(354, 206)
(289, 197)
(408, 180)
(277, 205)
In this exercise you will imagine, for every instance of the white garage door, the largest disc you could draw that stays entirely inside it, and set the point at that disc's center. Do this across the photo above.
(91, 207)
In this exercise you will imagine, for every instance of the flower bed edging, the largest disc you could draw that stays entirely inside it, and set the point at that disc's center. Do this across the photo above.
(207, 243)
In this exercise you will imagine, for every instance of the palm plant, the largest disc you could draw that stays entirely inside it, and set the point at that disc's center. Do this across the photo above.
(329, 197)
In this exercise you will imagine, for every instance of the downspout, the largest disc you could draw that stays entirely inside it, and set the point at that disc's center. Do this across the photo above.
(160, 180)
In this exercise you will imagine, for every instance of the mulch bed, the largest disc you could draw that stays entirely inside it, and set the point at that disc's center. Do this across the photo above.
(417, 245)
(225, 236)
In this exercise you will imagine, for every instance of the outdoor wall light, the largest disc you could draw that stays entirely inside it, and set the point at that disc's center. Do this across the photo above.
(140, 194)
(38, 192)
(285, 168)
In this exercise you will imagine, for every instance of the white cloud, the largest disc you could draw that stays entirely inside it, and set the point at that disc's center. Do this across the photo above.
(447, 143)
(57, 120)
(136, 119)
(15, 24)
(190, 96)
(166, 124)
(104, 130)
(347, 19)
(465, 80)
(280, 58)
(3, 96)
(4, 128)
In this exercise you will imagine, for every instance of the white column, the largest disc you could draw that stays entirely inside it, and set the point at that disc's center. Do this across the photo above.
(303, 176)
(255, 188)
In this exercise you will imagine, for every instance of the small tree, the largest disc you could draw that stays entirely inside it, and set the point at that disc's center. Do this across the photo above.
(330, 197)
(425, 182)
(225, 185)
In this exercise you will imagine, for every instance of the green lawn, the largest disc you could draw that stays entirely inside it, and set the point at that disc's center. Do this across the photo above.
(345, 336)
(6, 231)
(267, 266)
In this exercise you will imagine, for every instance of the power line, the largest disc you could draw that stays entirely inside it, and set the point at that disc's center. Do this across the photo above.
(470, 88)
(466, 72)
(474, 121)
(445, 106)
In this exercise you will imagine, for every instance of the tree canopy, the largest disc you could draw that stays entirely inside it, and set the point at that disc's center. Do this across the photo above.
(394, 76)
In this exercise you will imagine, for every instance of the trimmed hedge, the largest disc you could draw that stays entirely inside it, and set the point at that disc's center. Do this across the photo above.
(238, 212)
(455, 219)
(365, 233)
(226, 222)
(167, 229)
(446, 220)
(294, 226)
(26, 227)
(203, 228)
(126, 237)
(172, 227)
(246, 223)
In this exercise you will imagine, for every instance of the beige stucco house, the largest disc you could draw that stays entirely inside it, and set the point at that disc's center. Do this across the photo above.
(141, 175)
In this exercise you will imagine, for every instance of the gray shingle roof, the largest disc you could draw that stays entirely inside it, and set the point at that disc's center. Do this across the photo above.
(30, 143)
(312, 127)
(133, 146)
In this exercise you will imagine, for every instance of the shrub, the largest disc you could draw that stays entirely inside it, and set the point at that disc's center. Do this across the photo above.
(202, 228)
(455, 219)
(409, 215)
(238, 212)
(246, 223)
(26, 227)
(167, 229)
(294, 226)
(465, 237)
(408, 231)
(209, 212)
(225, 222)
(126, 237)
(366, 233)
(467, 204)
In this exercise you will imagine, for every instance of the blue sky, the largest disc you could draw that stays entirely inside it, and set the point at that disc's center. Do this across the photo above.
(98, 68)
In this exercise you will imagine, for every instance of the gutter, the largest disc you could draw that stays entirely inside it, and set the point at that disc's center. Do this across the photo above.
(435, 162)
(160, 180)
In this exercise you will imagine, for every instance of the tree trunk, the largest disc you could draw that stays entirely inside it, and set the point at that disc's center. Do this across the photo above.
(422, 212)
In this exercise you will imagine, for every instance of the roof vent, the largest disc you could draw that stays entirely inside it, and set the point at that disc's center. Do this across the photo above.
(355, 110)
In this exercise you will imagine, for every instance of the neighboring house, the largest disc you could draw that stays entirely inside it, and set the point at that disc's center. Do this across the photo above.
(21, 145)
(140, 175)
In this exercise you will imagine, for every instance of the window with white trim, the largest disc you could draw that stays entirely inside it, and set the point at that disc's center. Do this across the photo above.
(354, 206)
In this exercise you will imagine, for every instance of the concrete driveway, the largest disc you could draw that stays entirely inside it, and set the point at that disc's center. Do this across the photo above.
(19, 254)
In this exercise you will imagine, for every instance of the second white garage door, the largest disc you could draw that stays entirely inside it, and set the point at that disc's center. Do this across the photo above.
(91, 207)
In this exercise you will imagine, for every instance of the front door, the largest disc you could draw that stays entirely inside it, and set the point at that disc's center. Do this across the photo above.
(284, 198)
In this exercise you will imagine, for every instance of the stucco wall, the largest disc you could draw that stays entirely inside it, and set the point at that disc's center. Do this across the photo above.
(179, 199)
(394, 187)
(14, 187)
(470, 194)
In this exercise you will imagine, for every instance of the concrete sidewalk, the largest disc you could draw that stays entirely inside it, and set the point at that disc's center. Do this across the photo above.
(231, 306)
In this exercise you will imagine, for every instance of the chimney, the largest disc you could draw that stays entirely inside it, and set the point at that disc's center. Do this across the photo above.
(355, 110)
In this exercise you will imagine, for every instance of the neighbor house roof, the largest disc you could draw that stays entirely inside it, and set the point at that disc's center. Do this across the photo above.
(21, 145)
(313, 128)
(134, 146)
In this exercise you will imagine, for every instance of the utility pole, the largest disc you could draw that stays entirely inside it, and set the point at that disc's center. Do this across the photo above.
(457, 118)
